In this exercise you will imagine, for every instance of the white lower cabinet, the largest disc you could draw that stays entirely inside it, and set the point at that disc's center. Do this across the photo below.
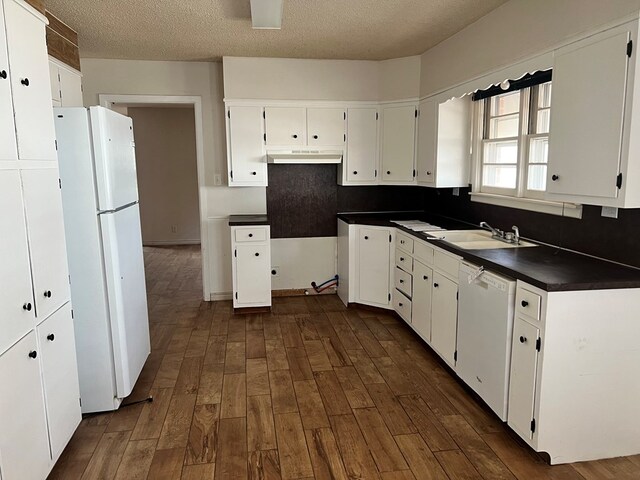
(251, 266)
(421, 305)
(444, 317)
(24, 445)
(373, 266)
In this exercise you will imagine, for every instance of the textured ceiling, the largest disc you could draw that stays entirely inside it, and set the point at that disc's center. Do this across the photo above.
(210, 29)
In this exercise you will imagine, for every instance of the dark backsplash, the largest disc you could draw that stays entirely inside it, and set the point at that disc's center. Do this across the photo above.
(303, 200)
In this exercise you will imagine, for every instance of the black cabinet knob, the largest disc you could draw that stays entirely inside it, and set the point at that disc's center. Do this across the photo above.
(3, 74)
(401, 242)
(435, 285)
(428, 173)
(27, 307)
(402, 259)
(554, 177)
(47, 294)
(388, 172)
(424, 277)
(257, 254)
(399, 304)
(523, 339)
(355, 172)
(250, 235)
(401, 281)
(524, 303)
(315, 137)
(295, 136)
(51, 337)
(366, 238)
(33, 354)
(25, 82)
(254, 173)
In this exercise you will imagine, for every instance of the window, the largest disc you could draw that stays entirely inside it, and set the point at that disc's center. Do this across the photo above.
(513, 130)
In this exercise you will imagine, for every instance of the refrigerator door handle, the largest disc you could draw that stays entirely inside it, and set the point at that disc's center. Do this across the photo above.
(114, 210)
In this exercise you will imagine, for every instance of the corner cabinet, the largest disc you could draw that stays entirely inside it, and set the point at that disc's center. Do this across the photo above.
(444, 132)
(594, 140)
(397, 163)
(40, 403)
(251, 266)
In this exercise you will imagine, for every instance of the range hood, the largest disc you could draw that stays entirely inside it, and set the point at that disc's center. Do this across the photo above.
(305, 156)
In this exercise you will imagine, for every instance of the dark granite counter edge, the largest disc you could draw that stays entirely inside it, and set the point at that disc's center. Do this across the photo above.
(248, 220)
(382, 219)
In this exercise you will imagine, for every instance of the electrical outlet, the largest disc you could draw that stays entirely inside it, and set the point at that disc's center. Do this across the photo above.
(456, 192)
(275, 271)
(217, 179)
(174, 229)
(610, 212)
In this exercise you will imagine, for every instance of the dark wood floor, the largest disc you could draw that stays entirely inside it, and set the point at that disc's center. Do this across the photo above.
(312, 390)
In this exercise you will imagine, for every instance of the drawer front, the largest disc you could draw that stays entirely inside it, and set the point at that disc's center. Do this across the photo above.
(404, 242)
(423, 252)
(404, 282)
(404, 261)
(528, 303)
(251, 234)
(446, 263)
(402, 305)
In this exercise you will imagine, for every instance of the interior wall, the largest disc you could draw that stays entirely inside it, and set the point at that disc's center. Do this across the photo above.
(512, 32)
(203, 79)
(167, 174)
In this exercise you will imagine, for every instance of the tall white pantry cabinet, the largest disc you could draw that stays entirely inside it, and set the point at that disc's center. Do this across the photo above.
(39, 396)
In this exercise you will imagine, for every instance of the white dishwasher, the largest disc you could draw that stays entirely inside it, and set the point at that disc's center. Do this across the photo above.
(485, 328)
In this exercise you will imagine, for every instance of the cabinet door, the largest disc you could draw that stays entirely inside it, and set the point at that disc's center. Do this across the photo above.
(427, 142)
(362, 146)
(522, 386)
(17, 311)
(60, 374)
(398, 144)
(325, 126)
(444, 317)
(43, 206)
(30, 83)
(8, 149)
(286, 126)
(23, 437)
(253, 276)
(247, 163)
(421, 313)
(54, 77)
(373, 266)
(587, 108)
(70, 88)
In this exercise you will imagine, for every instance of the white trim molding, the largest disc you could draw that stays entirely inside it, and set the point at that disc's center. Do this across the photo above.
(108, 101)
(571, 210)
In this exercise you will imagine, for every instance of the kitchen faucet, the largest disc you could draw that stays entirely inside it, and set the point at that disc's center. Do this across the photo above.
(496, 233)
(507, 237)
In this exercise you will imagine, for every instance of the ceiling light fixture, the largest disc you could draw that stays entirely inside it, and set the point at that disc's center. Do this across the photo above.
(266, 14)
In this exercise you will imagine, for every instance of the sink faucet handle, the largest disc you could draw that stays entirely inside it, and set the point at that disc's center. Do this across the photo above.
(516, 230)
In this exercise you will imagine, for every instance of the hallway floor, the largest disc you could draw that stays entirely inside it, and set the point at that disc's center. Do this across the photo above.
(312, 390)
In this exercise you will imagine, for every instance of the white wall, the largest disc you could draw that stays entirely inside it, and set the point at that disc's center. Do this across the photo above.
(514, 31)
(127, 77)
(301, 261)
(167, 174)
(399, 78)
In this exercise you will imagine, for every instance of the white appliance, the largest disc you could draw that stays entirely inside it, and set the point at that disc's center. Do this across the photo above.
(96, 154)
(485, 327)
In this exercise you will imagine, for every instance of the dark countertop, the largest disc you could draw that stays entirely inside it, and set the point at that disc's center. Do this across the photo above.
(241, 220)
(551, 269)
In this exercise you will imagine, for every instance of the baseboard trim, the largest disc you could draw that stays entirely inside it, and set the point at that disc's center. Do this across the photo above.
(165, 243)
(217, 297)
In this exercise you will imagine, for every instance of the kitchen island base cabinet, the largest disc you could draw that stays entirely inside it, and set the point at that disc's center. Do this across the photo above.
(575, 394)
(251, 266)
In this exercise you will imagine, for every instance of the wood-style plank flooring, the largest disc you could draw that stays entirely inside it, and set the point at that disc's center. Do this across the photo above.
(312, 390)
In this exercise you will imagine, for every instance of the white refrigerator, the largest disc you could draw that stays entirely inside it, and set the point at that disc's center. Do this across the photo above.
(96, 153)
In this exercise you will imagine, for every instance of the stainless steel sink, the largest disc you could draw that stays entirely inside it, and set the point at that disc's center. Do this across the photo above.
(476, 240)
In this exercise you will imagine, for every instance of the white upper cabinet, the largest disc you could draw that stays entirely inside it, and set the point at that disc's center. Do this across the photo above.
(43, 207)
(594, 144)
(245, 147)
(326, 126)
(66, 85)
(360, 162)
(398, 144)
(286, 126)
(8, 148)
(30, 82)
(17, 309)
(443, 142)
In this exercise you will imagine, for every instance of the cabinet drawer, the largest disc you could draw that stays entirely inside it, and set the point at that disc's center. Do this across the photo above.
(423, 251)
(251, 234)
(528, 303)
(402, 305)
(404, 261)
(446, 263)
(404, 242)
(404, 282)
